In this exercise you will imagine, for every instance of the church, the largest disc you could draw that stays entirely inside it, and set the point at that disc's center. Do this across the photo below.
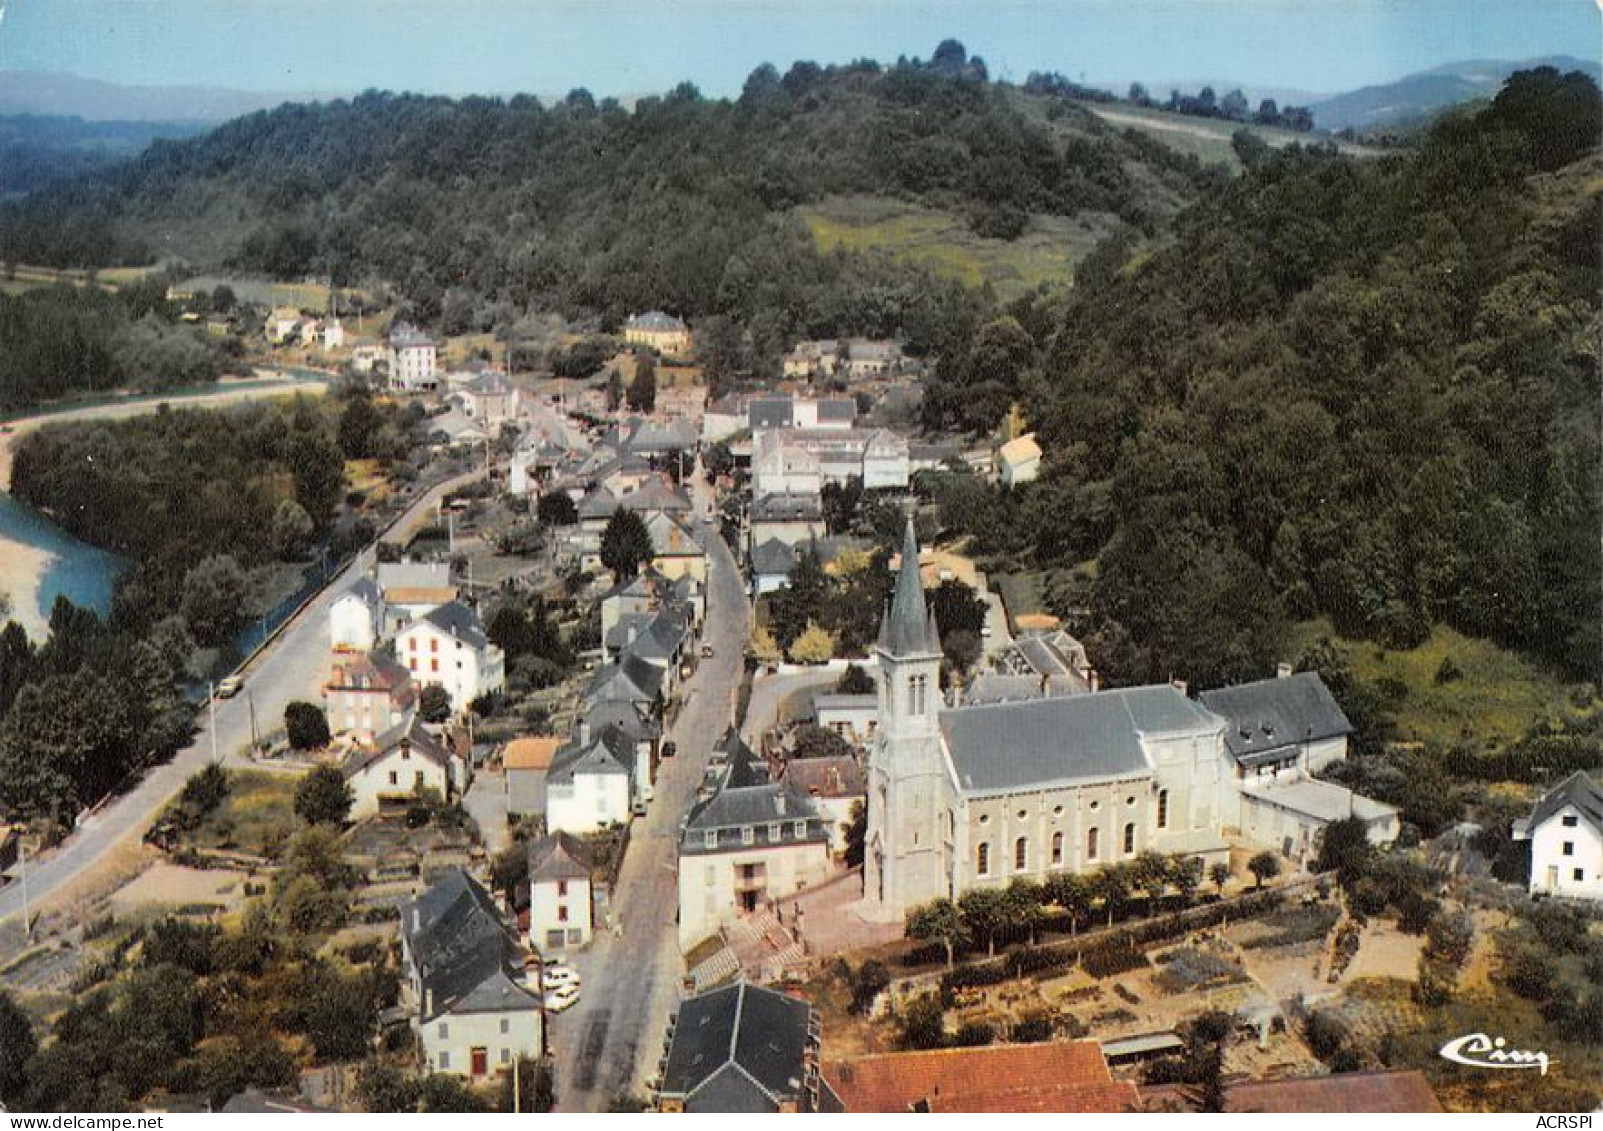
(976, 796)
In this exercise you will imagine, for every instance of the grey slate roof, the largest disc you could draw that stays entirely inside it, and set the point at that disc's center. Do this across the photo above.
(773, 556)
(770, 412)
(412, 734)
(456, 619)
(1059, 741)
(739, 1049)
(624, 716)
(743, 765)
(464, 955)
(909, 628)
(364, 588)
(837, 409)
(609, 752)
(629, 677)
(786, 508)
(559, 857)
(733, 809)
(655, 320)
(1272, 714)
(1578, 790)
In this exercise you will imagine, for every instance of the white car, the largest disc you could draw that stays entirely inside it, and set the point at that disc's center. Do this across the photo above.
(563, 997)
(561, 976)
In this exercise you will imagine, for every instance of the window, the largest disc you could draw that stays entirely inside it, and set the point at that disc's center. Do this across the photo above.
(1021, 854)
(1578, 875)
(775, 833)
(709, 839)
(1057, 848)
(1023, 814)
(411, 663)
(985, 818)
(1129, 838)
(445, 1059)
(982, 860)
(1569, 848)
(434, 665)
(915, 695)
(800, 829)
(395, 778)
(562, 887)
(1095, 805)
(748, 835)
(1163, 808)
(445, 1031)
(506, 1054)
(506, 1025)
(1570, 822)
(1091, 838)
(434, 644)
(562, 913)
(417, 779)
(1130, 801)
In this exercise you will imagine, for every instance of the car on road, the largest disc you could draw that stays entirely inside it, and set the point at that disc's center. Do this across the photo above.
(230, 686)
(638, 808)
(561, 998)
(669, 749)
(555, 978)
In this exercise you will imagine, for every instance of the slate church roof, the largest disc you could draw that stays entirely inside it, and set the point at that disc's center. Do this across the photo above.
(1272, 714)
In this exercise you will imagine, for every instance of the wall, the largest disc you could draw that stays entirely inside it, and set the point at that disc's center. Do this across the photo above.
(707, 883)
(1072, 811)
(590, 802)
(373, 783)
(1547, 851)
(464, 1032)
(545, 902)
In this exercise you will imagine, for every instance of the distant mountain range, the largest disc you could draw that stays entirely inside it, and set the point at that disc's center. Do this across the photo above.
(69, 96)
(1422, 95)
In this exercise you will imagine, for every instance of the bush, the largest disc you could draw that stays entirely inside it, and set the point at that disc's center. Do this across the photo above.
(323, 797)
(1031, 1030)
(1326, 1034)
(306, 726)
(973, 1035)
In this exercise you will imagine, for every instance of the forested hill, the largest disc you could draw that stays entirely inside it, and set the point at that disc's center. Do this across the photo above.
(1367, 390)
(468, 206)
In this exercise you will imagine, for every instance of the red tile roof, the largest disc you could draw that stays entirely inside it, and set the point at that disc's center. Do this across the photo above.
(1347, 1092)
(1066, 1077)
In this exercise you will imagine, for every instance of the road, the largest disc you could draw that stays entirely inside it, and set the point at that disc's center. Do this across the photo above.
(292, 666)
(608, 1044)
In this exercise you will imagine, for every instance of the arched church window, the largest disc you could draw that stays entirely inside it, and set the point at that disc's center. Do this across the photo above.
(1163, 808)
(1021, 854)
(1091, 839)
(1057, 848)
(1129, 838)
(982, 860)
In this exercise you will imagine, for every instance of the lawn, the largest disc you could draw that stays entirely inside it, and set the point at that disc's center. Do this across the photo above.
(1208, 139)
(1499, 696)
(1022, 593)
(1047, 252)
(256, 817)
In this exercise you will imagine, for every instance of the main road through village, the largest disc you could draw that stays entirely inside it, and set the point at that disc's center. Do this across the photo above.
(292, 666)
(604, 1046)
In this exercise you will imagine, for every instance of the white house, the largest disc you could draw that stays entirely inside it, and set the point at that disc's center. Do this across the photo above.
(414, 360)
(282, 324)
(675, 551)
(853, 717)
(771, 564)
(367, 694)
(1565, 830)
(408, 590)
(590, 783)
(658, 331)
(447, 646)
(490, 400)
(356, 618)
(1019, 460)
(399, 766)
(333, 335)
(473, 1014)
(560, 914)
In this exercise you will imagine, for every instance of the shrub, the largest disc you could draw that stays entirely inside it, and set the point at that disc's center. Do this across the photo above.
(306, 726)
(1031, 1030)
(974, 1034)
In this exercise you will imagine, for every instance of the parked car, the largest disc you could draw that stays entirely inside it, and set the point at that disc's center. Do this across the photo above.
(560, 976)
(230, 686)
(561, 998)
(706, 651)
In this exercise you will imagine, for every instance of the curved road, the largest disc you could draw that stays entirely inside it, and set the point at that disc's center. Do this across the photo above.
(291, 666)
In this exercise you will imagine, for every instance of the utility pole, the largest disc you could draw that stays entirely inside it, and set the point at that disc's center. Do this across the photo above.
(211, 706)
(517, 1086)
(255, 742)
(27, 916)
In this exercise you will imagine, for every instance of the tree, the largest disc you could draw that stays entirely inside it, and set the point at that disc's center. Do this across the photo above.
(214, 601)
(323, 797)
(535, 1091)
(1344, 848)
(813, 741)
(340, 1013)
(443, 1093)
(318, 468)
(614, 389)
(1023, 899)
(922, 1024)
(855, 680)
(643, 388)
(1185, 874)
(1206, 1036)
(17, 1047)
(1111, 885)
(868, 981)
(856, 835)
(305, 725)
(359, 425)
(1150, 873)
(985, 914)
(434, 704)
(1264, 866)
(814, 646)
(939, 921)
(1070, 892)
(1219, 875)
(382, 1087)
(556, 508)
(763, 646)
(625, 544)
(292, 530)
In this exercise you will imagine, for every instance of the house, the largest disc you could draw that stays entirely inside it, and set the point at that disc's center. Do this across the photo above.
(413, 360)
(675, 551)
(799, 461)
(742, 1049)
(786, 412)
(723, 418)
(743, 849)
(408, 590)
(472, 1012)
(865, 358)
(489, 400)
(1018, 461)
(525, 763)
(367, 694)
(447, 646)
(813, 359)
(1062, 1077)
(560, 912)
(366, 357)
(1565, 830)
(771, 563)
(630, 679)
(591, 783)
(333, 336)
(398, 766)
(356, 617)
(658, 331)
(793, 519)
(853, 717)
(282, 324)
(634, 596)
(635, 729)
(836, 784)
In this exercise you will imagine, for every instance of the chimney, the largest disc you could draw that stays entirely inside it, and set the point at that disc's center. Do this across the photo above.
(1094, 679)
(584, 731)
(1181, 686)
(1282, 670)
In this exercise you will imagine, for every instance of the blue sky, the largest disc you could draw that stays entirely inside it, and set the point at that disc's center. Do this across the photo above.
(619, 47)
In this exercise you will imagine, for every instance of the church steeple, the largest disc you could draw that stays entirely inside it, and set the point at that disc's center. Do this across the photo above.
(909, 628)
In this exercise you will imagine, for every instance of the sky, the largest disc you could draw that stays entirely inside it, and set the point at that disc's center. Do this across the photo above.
(628, 47)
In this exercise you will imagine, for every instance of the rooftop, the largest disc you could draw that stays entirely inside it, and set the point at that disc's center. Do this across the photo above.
(1577, 790)
(1271, 714)
(1059, 1077)
(1322, 800)
(740, 1048)
(532, 753)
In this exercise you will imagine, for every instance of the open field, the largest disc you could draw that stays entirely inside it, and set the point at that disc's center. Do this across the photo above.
(1498, 697)
(1047, 252)
(1208, 139)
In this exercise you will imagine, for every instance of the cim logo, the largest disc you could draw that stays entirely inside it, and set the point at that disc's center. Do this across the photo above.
(1480, 1051)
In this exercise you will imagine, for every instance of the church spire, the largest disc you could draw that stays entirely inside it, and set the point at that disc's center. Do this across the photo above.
(909, 629)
